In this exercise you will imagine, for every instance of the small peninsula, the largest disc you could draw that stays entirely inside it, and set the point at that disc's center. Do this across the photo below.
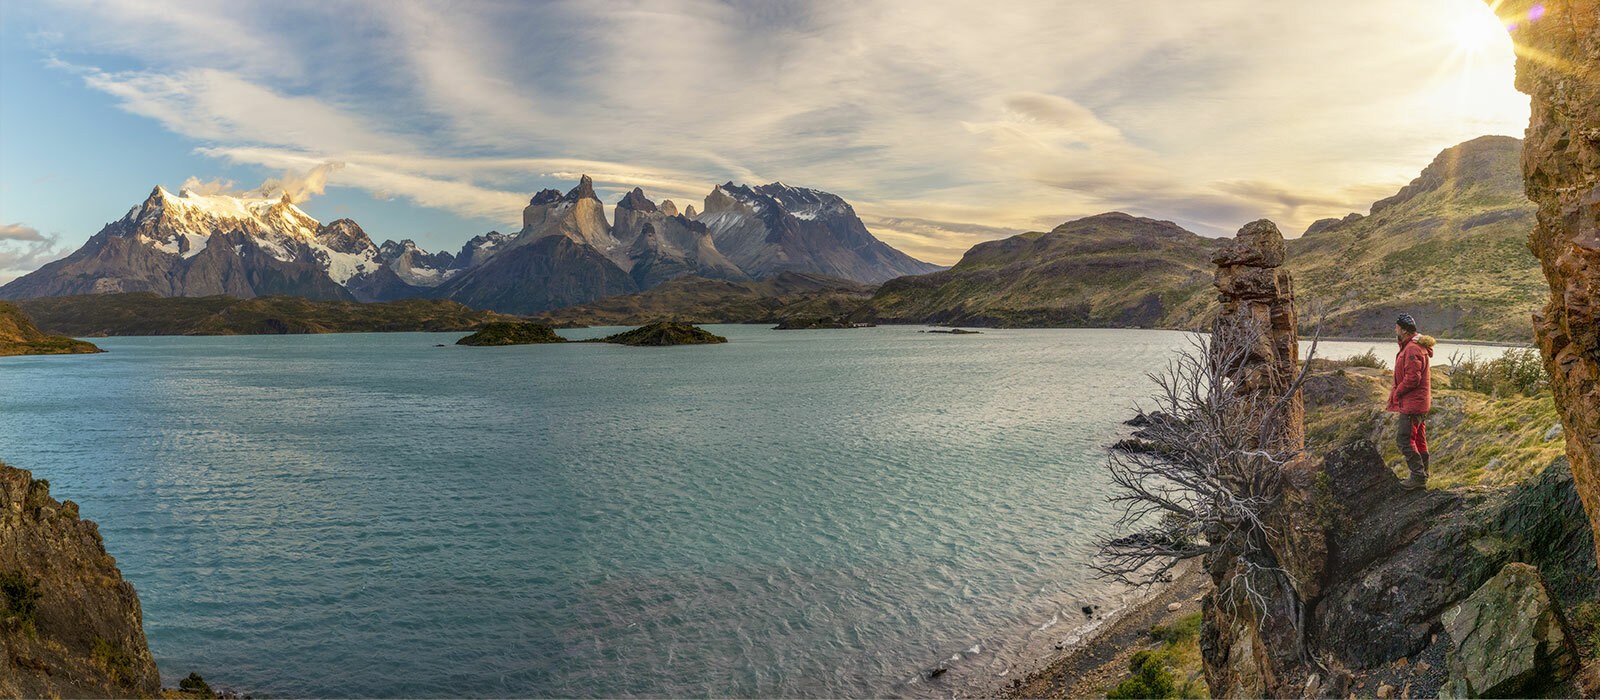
(18, 336)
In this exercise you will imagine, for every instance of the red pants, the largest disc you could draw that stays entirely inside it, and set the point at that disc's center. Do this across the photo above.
(1413, 437)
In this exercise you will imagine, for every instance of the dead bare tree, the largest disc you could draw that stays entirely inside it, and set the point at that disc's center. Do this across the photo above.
(1208, 469)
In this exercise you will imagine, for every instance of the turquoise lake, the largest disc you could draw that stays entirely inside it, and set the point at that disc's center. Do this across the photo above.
(807, 513)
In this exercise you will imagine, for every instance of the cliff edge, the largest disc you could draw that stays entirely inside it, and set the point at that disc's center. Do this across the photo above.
(70, 626)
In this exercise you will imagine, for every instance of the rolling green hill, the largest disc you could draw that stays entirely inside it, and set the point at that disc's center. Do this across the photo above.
(1109, 270)
(1450, 248)
(19, 336)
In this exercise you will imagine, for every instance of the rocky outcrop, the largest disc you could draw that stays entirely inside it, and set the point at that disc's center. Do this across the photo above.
(1558, 65)
(1370, 570)
(1253, 639)
(1508, 639)
(70, 626)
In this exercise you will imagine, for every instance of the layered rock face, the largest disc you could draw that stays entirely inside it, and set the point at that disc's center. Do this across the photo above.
(1253, 640)
(1558, 65)
(69, 625)
(1257, 298)
(578, 215)
(656, 244)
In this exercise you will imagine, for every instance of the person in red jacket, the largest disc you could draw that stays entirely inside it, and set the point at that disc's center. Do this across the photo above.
(1412, 397)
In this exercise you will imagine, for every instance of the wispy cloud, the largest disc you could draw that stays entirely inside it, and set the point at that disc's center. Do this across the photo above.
(944, 126)
(23, 249)
(19, 232)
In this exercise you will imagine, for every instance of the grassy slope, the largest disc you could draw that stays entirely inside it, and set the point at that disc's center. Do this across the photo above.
(1450, 248)
(19, 336)
(700, 300)
(1475, 439)
(149, 314)
(1108, 270)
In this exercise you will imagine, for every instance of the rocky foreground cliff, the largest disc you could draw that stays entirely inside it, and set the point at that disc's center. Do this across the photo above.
(1558, 65)
(1342, 581)
(70, 626)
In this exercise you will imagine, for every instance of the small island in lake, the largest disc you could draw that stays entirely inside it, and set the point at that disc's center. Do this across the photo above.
(512, 333)
(954, 331)
(18, 336)
(663, 333)
(808, 323)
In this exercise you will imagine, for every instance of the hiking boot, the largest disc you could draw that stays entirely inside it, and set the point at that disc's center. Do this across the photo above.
(1415, 483)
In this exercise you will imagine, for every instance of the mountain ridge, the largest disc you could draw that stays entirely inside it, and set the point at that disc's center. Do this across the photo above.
(191, 244)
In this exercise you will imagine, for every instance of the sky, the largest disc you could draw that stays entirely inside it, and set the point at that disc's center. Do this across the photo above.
(944, 123)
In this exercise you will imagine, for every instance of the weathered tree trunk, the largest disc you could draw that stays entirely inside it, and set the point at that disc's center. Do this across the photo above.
(1558, 65)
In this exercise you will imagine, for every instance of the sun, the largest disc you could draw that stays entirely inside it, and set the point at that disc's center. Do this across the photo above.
(1477, 31)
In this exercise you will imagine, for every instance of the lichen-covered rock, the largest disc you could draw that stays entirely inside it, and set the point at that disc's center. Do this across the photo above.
(1558, 65)
(1508, 638)
(70, 626)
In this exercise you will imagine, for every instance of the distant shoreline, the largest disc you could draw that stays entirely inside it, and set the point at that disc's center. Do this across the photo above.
(1450, 341)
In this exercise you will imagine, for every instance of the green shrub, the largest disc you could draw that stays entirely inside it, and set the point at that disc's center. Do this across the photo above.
(117, 663)
(1151, 679)
(1367, 359)
(21, 597)
(195, 684)
(1186, 629)
(1515, 372)
(1170, 671)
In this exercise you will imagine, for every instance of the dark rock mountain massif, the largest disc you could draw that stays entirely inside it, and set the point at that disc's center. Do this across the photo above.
(775, 228)
(198, 245)
(566, 252)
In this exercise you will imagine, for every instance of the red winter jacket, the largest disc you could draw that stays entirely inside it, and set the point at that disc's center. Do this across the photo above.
(1413, 381)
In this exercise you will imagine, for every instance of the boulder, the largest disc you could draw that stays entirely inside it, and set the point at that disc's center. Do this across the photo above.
(1508, 639)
